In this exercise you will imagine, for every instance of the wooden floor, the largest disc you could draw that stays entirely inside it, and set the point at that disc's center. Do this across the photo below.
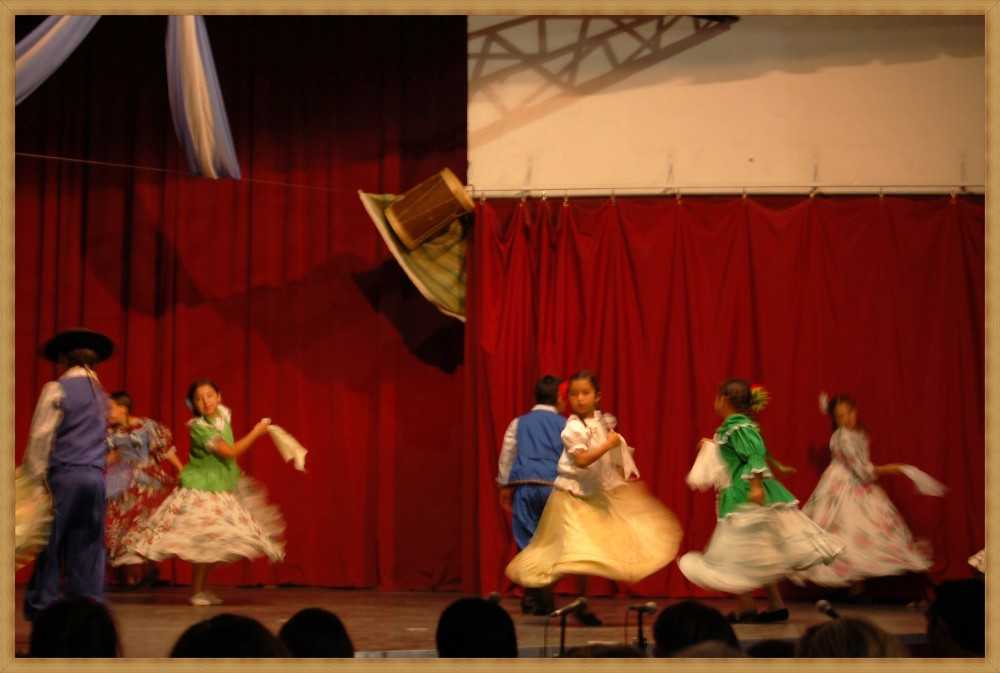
(402, 624)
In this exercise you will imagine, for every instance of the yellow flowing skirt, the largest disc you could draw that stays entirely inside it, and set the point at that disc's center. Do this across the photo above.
(624, 534)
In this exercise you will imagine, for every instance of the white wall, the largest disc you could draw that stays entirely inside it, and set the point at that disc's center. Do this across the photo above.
(775, 103)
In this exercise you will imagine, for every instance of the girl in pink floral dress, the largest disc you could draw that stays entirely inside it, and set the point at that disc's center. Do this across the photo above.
(849, 503)
(135, 481)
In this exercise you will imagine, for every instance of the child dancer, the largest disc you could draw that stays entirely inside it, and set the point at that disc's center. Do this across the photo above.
(66, 452)
(216, 515)
(526, 469)
(849, 503)
(135, 482)
(761, 536)
(596, 522)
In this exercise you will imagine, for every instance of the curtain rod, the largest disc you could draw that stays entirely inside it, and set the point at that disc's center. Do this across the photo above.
(745, 190)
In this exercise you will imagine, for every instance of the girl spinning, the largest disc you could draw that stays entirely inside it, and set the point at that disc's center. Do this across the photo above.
(136, 482)
(596, 521)
(761, 536)
(849, 503)
(216, 515)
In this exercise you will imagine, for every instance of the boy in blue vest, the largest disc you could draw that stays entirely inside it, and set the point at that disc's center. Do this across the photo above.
(66, 447)
(527, 468)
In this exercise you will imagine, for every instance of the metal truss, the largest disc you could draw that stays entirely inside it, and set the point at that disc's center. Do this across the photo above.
(572, 56)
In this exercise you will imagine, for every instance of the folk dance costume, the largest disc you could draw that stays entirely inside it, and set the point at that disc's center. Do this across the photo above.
(849, 503)
(529, 461)
(216, 515)
(595, 521)
(66, 453)
(752, 545)
(532, 446)
(136, 484)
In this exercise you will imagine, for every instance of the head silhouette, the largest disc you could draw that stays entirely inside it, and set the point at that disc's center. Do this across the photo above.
(475, 627)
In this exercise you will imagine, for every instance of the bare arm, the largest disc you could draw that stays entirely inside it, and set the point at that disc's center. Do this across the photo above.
(176, 462)
(756, 494)
(891, 468)
(239, 446)
(590, 456)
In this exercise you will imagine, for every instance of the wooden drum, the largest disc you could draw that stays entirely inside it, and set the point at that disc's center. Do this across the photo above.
(427, 208)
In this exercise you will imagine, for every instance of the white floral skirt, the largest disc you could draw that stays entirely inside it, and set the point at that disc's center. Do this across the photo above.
(624, 534)
(206, 527)
(756, 546)
(878, 542)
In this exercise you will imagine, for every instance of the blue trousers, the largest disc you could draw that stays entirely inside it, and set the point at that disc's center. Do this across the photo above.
(528, 503)
(77, 541)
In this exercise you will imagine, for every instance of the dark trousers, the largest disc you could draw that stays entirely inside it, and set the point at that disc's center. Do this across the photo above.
(527, 507)
(76, 544)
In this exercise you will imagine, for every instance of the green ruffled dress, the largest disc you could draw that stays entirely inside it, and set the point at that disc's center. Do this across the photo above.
(755, 545)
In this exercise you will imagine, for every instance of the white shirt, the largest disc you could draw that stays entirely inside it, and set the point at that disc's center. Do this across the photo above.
(48, 416)
(607, 472)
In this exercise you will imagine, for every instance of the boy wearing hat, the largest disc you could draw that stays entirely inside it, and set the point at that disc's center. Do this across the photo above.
(66, 447)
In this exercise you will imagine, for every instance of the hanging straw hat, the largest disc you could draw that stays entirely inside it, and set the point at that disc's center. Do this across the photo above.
(78, 337)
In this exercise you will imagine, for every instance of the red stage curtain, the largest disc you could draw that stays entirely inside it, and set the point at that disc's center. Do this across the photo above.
(664, 299)
(277, 286)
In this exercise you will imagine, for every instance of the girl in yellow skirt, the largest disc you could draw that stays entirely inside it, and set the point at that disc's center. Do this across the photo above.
(597, 521)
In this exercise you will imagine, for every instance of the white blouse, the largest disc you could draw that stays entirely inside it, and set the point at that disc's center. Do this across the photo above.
(607, 472)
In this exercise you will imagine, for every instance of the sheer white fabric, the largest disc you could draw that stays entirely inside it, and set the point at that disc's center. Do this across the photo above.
(288, 447)
(709, 470)
(41, 53)
(924, 482)
(196, 100)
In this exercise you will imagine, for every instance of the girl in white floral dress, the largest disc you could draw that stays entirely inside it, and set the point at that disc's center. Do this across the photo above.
(216, 515)
(849, 503)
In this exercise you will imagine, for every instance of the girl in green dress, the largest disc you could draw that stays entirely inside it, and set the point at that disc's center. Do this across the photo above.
(761, 536)
(216, 515)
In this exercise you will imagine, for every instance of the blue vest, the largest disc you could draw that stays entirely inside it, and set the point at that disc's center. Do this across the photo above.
(79, 439)
(539, 446)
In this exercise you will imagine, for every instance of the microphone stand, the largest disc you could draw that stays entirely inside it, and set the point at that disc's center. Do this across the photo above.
(640, 640)
(562, 634)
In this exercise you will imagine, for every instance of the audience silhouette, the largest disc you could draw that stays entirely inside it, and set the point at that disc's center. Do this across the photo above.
(315, 632)
(849, 637)
(475, 627)
(956, 619)
(687, 623)
(75, 627)
(228, 635)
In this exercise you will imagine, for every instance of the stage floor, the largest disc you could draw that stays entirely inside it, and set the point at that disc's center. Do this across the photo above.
(402, 623)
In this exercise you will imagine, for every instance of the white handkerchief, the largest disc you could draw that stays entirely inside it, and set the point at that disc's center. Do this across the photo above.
(288, 446)
(925, 483)
(709, 469)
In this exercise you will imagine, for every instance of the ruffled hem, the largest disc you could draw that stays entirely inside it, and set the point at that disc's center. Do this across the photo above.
(207, 527)
(756, 546)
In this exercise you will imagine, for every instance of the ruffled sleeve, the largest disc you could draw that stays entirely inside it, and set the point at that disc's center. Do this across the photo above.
(161, 441)
(575, 436)
(203, 434)
(745, 441)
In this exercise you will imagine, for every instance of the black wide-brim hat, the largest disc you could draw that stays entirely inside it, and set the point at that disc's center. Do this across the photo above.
(79, 337)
